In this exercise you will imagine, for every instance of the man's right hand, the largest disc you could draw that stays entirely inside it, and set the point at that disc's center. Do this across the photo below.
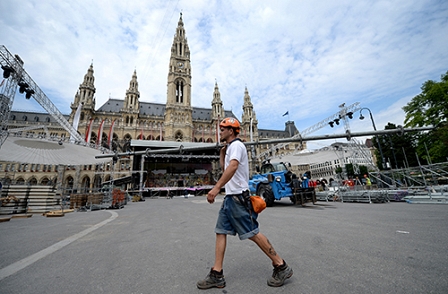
(211, 195)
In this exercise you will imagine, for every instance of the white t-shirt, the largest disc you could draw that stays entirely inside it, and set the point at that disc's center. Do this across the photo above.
(240, 180)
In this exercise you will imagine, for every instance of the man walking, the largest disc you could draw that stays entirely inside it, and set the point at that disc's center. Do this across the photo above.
(236, 215)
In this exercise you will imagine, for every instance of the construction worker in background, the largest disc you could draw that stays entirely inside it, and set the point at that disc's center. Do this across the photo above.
(368, 182)
(305, 181)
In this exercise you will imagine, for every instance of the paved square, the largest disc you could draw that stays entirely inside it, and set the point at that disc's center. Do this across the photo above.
(167, 245)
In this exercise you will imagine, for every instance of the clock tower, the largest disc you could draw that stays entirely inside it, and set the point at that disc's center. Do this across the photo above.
(178, 122)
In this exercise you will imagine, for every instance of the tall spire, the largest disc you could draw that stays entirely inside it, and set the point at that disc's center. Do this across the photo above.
(180, 45)
(179, 113)
(179, 75)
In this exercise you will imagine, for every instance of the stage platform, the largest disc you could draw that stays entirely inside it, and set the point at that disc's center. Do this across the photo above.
(176, 191)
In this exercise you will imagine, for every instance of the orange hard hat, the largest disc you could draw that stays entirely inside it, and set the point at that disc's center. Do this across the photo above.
(230, 122)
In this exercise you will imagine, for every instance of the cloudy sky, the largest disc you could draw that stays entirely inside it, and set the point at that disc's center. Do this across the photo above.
(301, 57)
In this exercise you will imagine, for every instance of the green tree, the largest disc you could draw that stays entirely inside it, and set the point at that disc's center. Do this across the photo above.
(393, 146)
(363, 170)
(338, 170)
(430, 108)
(349, 169)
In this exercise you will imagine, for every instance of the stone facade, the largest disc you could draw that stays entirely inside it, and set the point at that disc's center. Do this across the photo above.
(176, 120)
(117, 121)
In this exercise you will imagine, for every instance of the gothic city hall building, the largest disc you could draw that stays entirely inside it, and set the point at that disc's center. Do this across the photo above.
(131, 124)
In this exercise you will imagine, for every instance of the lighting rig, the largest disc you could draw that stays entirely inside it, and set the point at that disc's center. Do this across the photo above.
(343, 114)
(15, 76)
(344, 111)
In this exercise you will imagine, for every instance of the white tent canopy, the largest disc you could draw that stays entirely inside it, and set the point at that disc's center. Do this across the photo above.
(41, 151)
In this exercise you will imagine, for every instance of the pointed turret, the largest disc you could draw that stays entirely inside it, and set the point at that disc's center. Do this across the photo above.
(248, 109)
(86, 90)
(85, 96)
(131, 106)
(132, 94)
(217, 109)
(248, 116)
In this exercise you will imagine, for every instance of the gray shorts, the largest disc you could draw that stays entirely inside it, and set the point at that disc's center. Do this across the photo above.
(234, 218)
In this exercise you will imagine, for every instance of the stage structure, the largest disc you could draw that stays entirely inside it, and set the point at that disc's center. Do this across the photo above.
(164, 174)
(159, 154)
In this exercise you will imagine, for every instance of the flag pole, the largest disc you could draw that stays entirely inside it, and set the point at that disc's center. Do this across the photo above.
(289, 126)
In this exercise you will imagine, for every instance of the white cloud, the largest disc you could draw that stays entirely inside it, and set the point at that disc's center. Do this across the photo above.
(306, 57)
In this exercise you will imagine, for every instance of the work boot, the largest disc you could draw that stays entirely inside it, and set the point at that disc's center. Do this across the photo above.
(280, 274)
(213, 279)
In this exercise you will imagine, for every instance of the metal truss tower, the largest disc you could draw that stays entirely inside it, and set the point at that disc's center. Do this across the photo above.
(15, 76)
(342, 114)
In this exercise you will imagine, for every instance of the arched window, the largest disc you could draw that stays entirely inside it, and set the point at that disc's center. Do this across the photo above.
(179, 91)
(20, 181)
(68, 185)
(97, 182)
(179, 136)
(85, 185)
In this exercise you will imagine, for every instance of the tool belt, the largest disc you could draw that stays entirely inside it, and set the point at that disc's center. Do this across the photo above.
(243, 198)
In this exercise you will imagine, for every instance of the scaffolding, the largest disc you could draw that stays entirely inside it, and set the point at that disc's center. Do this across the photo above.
(420, 177)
